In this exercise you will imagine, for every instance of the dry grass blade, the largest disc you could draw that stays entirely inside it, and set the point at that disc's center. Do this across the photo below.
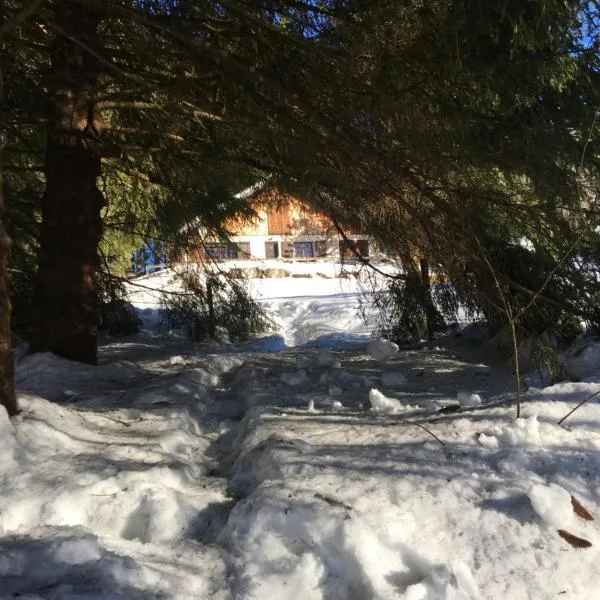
(575, 541)
(332, 501)
(580, 510)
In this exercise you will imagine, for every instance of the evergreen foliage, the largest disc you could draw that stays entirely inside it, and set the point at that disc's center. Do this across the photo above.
(213, 307)
(450, 129)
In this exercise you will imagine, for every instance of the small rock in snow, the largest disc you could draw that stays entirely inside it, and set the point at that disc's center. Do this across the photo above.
(382, 349)
(392, 379)
(176, 360)
(337, 404)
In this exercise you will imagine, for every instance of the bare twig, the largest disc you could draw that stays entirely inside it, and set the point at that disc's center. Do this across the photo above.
(407, 422)
(578, 406)
(359, 256)
(332, 501)
(511, 323)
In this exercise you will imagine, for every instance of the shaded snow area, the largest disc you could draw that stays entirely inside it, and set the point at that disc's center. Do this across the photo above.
(354, 471)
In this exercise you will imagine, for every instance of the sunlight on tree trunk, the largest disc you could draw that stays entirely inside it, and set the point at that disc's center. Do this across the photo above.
(66, 311)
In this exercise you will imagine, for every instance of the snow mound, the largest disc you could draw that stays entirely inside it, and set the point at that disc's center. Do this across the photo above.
(520, 432)
(330, 551)
(386, 406)
(9, 442)
(468, 399)
(382, 349)
(552, 503)
(49, 376)
(263, 463)
(71, 563)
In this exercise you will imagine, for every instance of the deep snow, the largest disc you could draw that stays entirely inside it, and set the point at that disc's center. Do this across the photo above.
(304, 465)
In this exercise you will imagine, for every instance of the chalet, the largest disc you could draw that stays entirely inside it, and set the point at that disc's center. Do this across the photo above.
(286, 228)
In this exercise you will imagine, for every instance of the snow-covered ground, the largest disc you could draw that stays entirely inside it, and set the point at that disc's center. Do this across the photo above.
(333, 468)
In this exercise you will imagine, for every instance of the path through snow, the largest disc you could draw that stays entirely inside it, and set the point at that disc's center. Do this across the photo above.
(178, 470)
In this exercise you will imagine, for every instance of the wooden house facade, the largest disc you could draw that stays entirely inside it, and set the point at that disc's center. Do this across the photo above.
(287, 228)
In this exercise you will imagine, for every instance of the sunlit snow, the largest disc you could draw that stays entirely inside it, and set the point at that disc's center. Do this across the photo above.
(307, 464)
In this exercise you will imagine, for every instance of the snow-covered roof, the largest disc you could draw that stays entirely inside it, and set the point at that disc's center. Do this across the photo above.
(253, 189)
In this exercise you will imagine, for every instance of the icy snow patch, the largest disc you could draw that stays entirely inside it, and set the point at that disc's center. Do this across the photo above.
(382, 349)
(392, 379)
(468, 399)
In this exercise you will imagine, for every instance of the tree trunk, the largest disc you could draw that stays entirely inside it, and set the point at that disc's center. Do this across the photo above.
(65, 306)
(7, 379)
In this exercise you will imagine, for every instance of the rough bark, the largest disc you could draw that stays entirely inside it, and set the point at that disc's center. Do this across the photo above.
(7, 379)
(7, 384)
(66, 310)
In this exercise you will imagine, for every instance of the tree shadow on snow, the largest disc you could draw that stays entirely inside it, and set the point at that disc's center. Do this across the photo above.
(515, 506)
(71, 562)
(206, 526)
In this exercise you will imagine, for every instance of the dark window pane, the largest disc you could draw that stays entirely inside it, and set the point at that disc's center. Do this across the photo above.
(303, 249)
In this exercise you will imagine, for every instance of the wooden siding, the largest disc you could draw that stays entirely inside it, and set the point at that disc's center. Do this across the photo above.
(279, 221)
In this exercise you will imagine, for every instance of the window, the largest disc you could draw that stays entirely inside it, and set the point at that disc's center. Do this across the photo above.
(321, 248)
(244, 250)
(363, 247)
(272, 249)
(221, 251)
(303, 250)
(348, 248)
